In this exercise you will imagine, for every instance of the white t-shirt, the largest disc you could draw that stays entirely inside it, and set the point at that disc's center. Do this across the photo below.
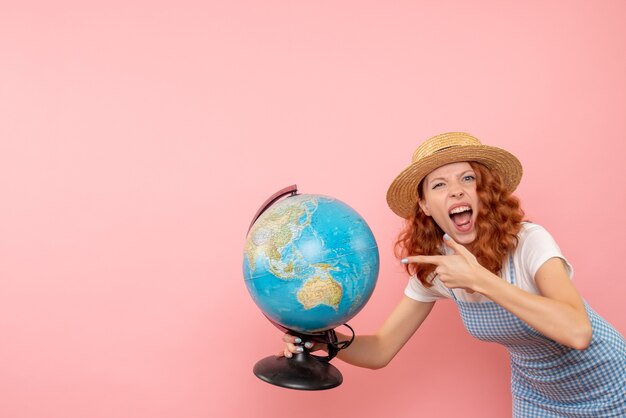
(535, 247)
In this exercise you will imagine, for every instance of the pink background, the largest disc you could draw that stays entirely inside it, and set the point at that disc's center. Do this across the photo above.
(137, 139)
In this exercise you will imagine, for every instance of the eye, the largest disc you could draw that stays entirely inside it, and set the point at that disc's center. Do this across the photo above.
(437, 185)
(469, 177)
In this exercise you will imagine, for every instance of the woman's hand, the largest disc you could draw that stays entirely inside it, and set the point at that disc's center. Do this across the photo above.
(371, 351)
(459, 270)
(294, 345)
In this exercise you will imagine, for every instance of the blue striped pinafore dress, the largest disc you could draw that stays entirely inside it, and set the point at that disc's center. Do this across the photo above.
(549, 379)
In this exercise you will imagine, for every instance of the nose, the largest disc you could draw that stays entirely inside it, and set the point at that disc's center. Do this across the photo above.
(456, 191)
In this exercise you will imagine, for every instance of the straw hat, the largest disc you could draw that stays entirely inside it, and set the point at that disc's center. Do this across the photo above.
(450, 147)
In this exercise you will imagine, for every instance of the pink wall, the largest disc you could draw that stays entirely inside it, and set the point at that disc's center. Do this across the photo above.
(137, 139)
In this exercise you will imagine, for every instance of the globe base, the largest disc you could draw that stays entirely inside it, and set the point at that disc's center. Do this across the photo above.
(303, 372)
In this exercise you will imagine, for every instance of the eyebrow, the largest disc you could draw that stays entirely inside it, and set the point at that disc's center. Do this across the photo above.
(463, 174)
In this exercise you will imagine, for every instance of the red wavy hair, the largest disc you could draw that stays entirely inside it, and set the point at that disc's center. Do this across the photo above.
(497, 224)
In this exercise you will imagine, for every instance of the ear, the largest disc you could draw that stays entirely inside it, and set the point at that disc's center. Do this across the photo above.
(424, 207)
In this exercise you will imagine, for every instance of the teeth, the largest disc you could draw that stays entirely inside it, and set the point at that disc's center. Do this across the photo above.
(460, 209)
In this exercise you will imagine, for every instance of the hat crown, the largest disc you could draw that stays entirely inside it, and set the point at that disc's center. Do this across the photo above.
(444, 141)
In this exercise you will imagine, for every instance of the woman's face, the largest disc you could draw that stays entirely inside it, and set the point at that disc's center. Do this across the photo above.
(450, 198)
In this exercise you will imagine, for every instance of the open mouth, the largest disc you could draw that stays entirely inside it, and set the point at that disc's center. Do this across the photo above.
(461, 216)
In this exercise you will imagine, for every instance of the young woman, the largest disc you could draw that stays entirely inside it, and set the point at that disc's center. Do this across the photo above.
(465, 240)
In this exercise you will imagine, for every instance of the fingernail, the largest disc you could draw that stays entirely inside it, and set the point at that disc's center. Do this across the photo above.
(308, 344)
(446, 237)
(298, 340)
(299, 349)
(288, 355)
(405, 261)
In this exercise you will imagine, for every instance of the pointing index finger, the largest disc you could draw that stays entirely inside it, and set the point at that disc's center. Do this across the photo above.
(458, 248)
(424, 259)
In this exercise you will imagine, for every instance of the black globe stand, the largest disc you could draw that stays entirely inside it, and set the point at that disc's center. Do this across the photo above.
(303, 371)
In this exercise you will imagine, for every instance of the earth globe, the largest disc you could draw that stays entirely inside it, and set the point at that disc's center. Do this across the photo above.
(310, 264)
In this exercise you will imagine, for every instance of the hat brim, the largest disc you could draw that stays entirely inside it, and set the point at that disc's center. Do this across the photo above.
(402, 194)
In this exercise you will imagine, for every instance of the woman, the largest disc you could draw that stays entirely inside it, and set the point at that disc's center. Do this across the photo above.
(466, 240)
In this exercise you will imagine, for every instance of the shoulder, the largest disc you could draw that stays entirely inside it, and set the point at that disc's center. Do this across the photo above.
(532, 235)
(536, 245)
(532, 229)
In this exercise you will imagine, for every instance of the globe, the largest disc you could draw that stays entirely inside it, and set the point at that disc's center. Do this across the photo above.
(310, 263)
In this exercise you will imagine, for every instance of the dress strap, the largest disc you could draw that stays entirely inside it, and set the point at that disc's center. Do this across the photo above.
(511, 270)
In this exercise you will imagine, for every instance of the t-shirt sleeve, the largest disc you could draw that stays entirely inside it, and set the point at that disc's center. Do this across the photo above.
(417, 291)
(538, 247)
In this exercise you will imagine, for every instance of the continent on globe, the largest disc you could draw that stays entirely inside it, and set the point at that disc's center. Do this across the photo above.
(272, 233)
(320, 289)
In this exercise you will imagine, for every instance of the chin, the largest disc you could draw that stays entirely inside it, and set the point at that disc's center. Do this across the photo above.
(465, 238)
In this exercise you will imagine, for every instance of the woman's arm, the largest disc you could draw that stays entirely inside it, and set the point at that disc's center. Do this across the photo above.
(558, 313)
(376, 351)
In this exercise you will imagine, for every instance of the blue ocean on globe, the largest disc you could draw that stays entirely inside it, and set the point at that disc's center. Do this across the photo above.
(310, 263)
